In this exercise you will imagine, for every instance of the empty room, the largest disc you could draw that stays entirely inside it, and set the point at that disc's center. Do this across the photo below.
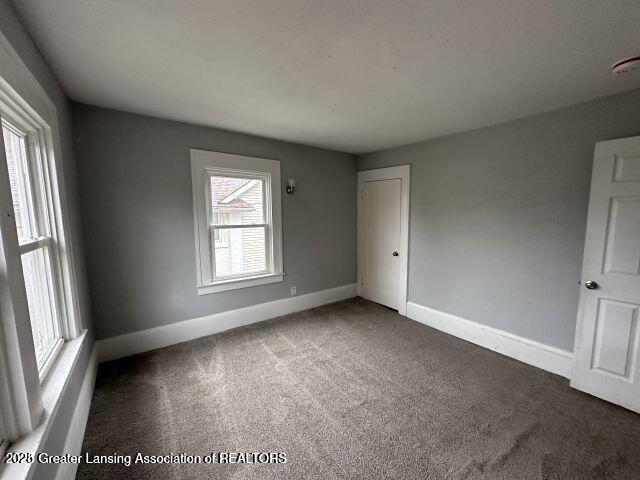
(320, 239)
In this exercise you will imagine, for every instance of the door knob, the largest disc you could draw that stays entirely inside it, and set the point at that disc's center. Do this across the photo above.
(591, 285)
(395, 254)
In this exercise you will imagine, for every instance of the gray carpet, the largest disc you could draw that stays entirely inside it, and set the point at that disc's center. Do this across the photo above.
(353, 391)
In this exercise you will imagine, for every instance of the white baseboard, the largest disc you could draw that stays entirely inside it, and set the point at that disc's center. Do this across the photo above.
(183, 331)
(75, 436)
(539, 355)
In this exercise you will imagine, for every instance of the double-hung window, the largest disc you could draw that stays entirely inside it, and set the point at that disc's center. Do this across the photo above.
(27, 179)
(39, 308)
(46, 271)
(237, 221)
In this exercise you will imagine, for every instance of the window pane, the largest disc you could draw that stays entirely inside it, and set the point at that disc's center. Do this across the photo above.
(41, 312)
(237, 201)
(242, 253)
(15, 150)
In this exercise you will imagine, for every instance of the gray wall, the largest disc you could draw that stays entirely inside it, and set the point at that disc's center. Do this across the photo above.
(12, 28)
(138, 218)
(498, 216)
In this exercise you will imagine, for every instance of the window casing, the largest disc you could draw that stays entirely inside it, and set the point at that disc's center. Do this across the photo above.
(47, 271)
(237, 221)
(28, 182)
(37, 273)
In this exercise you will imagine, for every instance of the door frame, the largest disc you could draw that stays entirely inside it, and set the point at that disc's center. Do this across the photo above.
(402, 172)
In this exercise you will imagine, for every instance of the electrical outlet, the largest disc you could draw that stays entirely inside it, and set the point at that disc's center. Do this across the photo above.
(293, 291)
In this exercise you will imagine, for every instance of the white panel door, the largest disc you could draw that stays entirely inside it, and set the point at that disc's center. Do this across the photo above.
(381, 203)
(607, 362)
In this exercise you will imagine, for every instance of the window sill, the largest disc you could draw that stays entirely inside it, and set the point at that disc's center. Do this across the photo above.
(53, 390)
(239, 283)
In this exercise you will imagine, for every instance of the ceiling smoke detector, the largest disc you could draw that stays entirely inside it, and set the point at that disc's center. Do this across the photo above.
(626, 65)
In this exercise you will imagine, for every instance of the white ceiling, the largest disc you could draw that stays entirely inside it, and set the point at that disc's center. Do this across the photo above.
(351, 75)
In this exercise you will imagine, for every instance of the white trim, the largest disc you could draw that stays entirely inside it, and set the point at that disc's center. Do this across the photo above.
(546, 357)
(244, 282)
(49, 358)
(53, 390)
(240, 225)
(21, 93)
(34, 244)
(204, 164)
(403, 172)
(22, 398)
(20, 392)
(145, 340)
(23, 98)
(75, 435)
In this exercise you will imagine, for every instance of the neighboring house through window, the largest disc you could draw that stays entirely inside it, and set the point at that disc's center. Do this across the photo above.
(220, 236)
(237, 221)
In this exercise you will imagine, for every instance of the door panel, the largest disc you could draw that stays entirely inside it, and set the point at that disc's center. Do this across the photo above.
(623, 247)
(381, 234)
(615, 339)
(627, 169)
(607, 333)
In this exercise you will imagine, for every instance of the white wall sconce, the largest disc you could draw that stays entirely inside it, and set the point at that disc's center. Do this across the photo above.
(291, 186)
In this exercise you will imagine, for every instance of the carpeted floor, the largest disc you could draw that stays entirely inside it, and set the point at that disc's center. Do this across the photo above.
(353, 391)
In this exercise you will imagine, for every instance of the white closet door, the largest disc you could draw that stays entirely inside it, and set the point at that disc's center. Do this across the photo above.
(607, 362)
(381, 204)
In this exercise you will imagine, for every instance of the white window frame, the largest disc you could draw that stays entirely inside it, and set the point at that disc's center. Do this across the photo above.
(204, 165)
(224, 235)
(38, 169)
(40, 160)
(25, 391)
